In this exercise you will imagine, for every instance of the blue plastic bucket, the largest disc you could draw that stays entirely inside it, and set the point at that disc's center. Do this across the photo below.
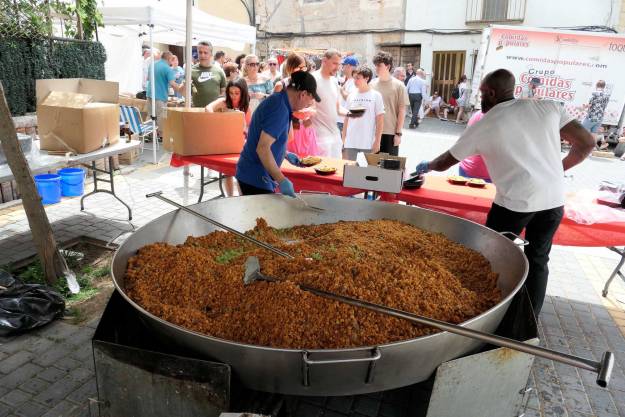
(49, 188)
(72, 181)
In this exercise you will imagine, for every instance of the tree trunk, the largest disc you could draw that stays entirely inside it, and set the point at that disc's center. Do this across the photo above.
(54, 264)
(78, 20)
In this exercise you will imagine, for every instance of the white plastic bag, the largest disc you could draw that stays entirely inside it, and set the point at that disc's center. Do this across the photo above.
(582, 208)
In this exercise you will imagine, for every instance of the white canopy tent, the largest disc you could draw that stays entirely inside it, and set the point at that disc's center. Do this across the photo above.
(169, 20)
(163, 21)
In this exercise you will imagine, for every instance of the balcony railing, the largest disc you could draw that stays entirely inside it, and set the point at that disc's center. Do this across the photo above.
(495, 11)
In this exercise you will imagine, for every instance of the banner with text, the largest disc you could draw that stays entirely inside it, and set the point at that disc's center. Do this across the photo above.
(567, 65)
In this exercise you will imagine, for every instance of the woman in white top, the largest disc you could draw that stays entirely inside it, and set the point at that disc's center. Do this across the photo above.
(258, 85)
(463, 93)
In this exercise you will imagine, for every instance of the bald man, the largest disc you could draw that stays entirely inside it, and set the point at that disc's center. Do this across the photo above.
(520, 143)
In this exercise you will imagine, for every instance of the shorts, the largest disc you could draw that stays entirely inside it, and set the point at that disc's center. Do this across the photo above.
(161, 113)
(592, 127)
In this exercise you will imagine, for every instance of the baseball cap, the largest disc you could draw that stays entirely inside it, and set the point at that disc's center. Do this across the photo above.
(304, 81)
(350, 60)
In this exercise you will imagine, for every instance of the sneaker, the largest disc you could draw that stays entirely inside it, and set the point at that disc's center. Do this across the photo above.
(411, 126)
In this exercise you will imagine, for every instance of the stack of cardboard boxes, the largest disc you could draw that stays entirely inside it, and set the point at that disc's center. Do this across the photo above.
(77, 115)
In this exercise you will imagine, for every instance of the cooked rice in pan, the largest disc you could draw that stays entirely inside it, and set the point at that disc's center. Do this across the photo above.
(199, 284)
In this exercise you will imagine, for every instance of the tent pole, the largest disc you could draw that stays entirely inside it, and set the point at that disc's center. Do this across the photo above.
(188, 55)
(188, 50)
(153, 91)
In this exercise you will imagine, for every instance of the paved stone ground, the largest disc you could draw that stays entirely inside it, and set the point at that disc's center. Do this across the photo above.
(50, 371)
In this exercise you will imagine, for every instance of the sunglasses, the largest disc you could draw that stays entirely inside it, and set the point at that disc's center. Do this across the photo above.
(272, 64)
(252, 64)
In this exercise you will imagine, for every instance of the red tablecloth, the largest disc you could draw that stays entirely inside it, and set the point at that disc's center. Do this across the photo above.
(436, 194)
(304, 179)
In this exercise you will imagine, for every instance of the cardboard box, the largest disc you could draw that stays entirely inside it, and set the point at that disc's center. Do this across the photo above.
(374, 178)
(77, 114)
(129, 158)
(194, 131)
(142, 105)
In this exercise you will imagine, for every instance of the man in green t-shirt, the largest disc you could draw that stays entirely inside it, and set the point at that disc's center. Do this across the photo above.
(209, 81)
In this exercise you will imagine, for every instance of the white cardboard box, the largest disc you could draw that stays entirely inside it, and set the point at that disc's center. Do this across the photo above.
(373, 178)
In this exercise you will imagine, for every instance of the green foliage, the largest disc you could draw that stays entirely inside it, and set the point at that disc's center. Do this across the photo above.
(90, 17)
(316, 256)
(228, 255)
(24, 19)
(33, 19)
(27, 52)
(22, 61)
(34, 274)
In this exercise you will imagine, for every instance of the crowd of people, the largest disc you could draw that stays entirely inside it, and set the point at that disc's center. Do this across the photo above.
(321, 130)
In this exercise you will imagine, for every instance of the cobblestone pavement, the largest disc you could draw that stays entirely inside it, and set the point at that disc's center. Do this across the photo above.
(50, 371)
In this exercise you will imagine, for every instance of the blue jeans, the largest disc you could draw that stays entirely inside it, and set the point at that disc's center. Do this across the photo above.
(592, 127)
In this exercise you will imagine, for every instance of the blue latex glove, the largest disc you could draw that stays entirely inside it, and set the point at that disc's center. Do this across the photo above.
(286, 187)
(422, 168)
(293, 159)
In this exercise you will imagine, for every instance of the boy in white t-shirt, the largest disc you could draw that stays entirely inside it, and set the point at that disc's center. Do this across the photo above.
(363, 134)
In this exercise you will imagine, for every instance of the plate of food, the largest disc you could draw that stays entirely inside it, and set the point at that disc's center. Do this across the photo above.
(476, 182)
(357, 110)
(457, 179)
(309, 161)
(325, 170)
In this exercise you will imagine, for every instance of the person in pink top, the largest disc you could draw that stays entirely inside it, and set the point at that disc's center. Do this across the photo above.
(474, 166)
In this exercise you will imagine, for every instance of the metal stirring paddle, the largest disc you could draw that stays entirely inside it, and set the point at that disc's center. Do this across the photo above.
(159, 195)
(603, 368)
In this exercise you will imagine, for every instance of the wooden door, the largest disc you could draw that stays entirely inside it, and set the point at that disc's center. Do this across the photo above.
(410, 54)
(179, 52)
(395, 51)
(404, 54)
(447, 67)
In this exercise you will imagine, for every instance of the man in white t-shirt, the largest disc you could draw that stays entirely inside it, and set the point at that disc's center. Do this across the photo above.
(328, 110)
(365, 133)
(520, 143)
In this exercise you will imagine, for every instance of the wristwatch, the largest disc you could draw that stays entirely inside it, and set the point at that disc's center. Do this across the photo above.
(398, 133)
